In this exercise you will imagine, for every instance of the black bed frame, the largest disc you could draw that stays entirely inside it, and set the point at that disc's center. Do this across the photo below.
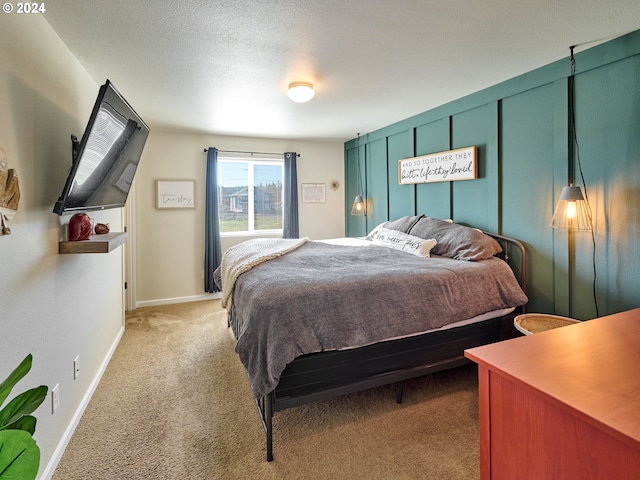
(319, 376)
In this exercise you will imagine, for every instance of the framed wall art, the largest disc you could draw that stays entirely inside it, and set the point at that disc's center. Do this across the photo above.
(175, 194)
(314, 193)
(459, 164)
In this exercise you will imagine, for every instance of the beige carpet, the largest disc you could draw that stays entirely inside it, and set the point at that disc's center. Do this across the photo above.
(174, 403)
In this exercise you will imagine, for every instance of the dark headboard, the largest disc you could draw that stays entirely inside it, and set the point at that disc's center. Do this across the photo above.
(514, 253)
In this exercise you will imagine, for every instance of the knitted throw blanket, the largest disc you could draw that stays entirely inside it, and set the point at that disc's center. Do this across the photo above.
(246, 255)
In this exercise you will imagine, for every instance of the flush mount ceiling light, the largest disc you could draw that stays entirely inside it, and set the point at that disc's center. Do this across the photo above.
(301, 92)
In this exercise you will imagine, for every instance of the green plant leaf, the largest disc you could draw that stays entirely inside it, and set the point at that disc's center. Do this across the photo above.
(14, 377)
(19, 455)
(23, 404)
(26, 423)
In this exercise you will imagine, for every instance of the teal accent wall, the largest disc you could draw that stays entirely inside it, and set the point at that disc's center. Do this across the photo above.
(401, 199)
(377, 199)
(433, 199)
(608, 125)
(355, 225)
(521, 129)
(528, 140)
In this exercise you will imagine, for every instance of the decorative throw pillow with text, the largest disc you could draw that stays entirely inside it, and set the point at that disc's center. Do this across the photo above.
(402, 241)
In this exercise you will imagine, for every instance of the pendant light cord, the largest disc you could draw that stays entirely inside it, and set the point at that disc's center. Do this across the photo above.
(358, 160)
(584, 184)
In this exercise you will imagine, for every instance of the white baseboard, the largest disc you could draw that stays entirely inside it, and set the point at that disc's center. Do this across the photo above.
(168, 301)
(64, 441)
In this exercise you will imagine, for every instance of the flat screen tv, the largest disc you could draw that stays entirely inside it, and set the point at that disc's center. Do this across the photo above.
(105, 160)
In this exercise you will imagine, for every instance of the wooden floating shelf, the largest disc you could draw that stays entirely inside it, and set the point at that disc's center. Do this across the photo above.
(96, 244)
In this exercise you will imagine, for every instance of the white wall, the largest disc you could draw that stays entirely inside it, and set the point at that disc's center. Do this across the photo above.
(53, 306)
(170, 243)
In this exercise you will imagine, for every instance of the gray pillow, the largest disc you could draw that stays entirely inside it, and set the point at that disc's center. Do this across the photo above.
(403, 224)
(456, 241)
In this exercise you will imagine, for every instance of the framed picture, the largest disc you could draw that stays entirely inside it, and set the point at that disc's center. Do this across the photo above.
(175, 194)
(459, 164)
(314, 193)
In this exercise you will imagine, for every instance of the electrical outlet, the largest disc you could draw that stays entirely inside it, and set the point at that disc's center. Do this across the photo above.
(76, 367)
(55, 398)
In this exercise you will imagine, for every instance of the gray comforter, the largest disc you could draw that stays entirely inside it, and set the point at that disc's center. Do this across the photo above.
(331, 297)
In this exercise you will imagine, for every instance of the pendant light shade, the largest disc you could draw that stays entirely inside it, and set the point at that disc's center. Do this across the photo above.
(358, 206)
(572, 210)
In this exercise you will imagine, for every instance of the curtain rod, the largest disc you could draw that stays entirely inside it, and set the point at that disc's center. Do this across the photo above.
(250, 153)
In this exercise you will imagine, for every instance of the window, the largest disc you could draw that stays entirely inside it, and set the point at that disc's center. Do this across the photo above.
(250, 196)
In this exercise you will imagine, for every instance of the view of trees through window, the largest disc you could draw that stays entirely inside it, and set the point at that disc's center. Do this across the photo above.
(250, 195)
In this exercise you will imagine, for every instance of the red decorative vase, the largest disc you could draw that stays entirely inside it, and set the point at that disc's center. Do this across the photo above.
(79, 227)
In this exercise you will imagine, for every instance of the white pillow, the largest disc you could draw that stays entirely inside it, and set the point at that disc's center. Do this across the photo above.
(403, 241)
(373, 232)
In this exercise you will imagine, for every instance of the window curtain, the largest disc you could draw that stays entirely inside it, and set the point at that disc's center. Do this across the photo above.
(212, 248)
(290, 204)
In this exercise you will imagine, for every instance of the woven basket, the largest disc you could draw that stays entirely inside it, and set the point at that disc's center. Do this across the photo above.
(530, 323)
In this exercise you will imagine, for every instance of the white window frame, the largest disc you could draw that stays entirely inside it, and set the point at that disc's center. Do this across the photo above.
(250, 193)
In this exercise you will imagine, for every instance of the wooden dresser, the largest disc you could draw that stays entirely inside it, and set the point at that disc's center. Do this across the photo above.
(562, 404)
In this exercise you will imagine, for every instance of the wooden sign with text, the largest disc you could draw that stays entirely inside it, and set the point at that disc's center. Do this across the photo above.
(459, 164)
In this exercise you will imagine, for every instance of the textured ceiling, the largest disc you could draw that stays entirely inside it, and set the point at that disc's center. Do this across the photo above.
(223, 66)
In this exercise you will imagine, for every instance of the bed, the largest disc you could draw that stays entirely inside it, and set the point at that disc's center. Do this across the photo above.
(317, 319)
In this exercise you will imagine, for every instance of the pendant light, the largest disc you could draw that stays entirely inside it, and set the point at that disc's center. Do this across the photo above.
(572, 210)
(358, 207)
